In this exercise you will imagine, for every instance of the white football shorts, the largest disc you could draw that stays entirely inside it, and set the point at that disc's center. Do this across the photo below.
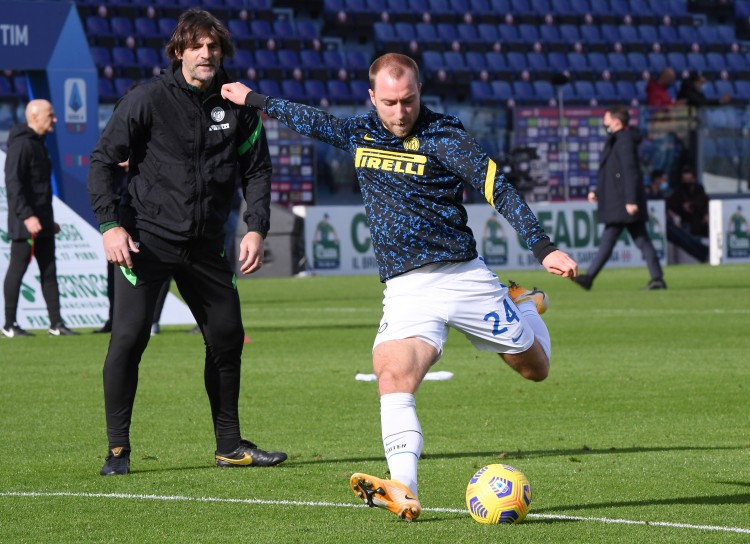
(467, 296)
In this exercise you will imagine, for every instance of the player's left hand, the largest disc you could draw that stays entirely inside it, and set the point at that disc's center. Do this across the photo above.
(235, 92)
(558, 262)
(632, 209)
(251, 253)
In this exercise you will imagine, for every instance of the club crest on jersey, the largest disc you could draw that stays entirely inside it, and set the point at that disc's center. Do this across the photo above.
(411, 143)
(217, 114)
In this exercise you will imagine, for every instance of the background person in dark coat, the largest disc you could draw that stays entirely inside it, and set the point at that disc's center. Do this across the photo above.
(31, 222)
(621, 198)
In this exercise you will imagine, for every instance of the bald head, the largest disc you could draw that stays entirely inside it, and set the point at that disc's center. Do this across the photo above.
(40, 116)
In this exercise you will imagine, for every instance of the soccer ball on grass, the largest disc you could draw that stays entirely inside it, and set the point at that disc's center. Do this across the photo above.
(498, 494)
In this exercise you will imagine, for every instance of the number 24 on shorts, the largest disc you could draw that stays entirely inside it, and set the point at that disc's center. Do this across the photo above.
(510, 316)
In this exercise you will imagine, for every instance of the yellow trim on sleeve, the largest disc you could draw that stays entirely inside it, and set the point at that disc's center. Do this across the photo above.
(489, 183)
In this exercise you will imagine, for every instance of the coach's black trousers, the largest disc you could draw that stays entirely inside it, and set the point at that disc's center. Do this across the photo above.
(207, 284)
(639, 234)
(20, 258)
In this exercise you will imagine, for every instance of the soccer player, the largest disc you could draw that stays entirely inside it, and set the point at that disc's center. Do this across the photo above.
(186, 147)
(411, 164)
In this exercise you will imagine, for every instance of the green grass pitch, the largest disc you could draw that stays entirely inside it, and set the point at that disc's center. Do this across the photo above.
(640, 434)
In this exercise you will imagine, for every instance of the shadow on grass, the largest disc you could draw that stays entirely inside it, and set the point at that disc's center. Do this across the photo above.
(742, 498)
(509, 455)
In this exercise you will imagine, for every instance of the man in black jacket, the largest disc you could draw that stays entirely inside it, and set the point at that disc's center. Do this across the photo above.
(31, 223)
(186, 147)
(621, 198)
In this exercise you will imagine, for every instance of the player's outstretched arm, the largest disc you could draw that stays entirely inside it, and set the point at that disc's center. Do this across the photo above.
(235, 92)
(558, 262)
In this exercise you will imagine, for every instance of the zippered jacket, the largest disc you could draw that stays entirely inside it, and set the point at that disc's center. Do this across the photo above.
(187, 154)
(28, 182)
(413, 187)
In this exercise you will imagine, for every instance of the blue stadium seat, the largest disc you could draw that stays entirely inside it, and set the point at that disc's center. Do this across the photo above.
(269, 87)
(509, 35)
(468, 36)
(6, 88)
(649, 34)
(606, 92)
(289, 59)
(591, 36)
(166, 26)
(581, 7)
(312, 62)
(447, 32)
(688, 34)
(481, 93)
(626, 90)
(716, 62)
(544, 91)
(293, 90)
(523, 91)
(488, 33)
(123, 57)
(285, 34)
(333, 60)
(267, 65)
(432, 62)
(107, 91)
(584, 91)
(677, 61)
(123, 85)
(482, 10)
(97, 27)
(558, 61)
(529, 33)
(21, 86)
(516, 61)
(101, 56)
(385, 36)
(360, 91)
(629, 37)
(668, 37)
(618, 63)
(496, 63)
(239, 63)
(122, 27)
(308, 30)
(657, 62)
(358, 63)
(476, 62)
(637, 61)
(538, 65)
(598, 63)
(315, 90)
(260, 30)
(578, 64)
(406, 32)
(501, 91)
(610, 33)
(738, 65)
(697, 62)
(742, 88)
(338, 91)
(427, 36)
(456, 66)
(147, 32)
(440, 10)
(570, 33)
(147, 57)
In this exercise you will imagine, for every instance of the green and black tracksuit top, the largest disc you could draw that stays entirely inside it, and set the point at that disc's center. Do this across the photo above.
(187, 151)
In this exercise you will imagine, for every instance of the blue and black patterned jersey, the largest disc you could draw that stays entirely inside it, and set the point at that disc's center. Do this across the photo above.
(412, 187)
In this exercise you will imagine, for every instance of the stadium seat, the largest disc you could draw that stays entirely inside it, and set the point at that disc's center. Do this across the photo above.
(124, 60)
(584, 91)
(618, 64)
(21, 86)
(448, 33)
(598, 63)
(502, 91)
(267, 65)
(432, 63)
(742, 89)
(97, 27)
(315, 91)
(496, 63)
(289, 59)
(516, 61)
(469, 38)
(591, 37)
(657, 62)
(147, 32)
(637, 62)
(338, 92)
(481, 93)
(165, 26)
(610, 33)
(649, 35)
(6, 88)
(626, 90)
(456, 66)
(385, 36)
(676, 60)
(558, 61)
(123, 85)
(550, 36)
(488, 33)
(570, 33)
(509, 36)
(716, 62)
(630, 39)
(239, 63)
(427, 36)
(285, 34)
(578, 65)
(269, 87)
(107, 91)
(688, 34)
(147, 57)
(529, 33)
(308, 31)
(697, 62)
(482, 11)
(475, 62)
(538, 65)
(122, 27)
(606, 92)
(544, 91)
(358, 64)
(101, 56)
(293, 90)
(523, 92)
(360, 91)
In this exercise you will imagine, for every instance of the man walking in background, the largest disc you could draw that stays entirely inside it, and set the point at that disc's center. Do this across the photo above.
(621, 198)
(31, 223)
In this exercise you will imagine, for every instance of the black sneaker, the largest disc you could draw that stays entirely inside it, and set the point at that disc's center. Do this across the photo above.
(248, 454)
(655, 284)
(61, 330)
(14, 330)
(117, 462)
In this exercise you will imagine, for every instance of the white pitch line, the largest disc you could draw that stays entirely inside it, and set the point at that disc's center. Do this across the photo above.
(345, 505)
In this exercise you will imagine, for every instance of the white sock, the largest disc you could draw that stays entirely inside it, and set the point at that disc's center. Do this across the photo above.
(402, 437)
(528, 311)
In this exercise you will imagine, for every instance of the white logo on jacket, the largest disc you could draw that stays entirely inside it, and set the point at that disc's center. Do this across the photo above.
(217, 114)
